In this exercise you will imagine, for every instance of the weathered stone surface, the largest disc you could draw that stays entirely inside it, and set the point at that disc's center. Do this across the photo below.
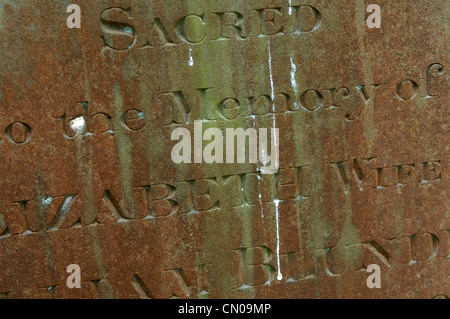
(364, 149)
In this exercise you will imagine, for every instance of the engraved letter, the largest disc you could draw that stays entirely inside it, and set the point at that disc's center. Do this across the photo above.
(191, 28)
(118, 34)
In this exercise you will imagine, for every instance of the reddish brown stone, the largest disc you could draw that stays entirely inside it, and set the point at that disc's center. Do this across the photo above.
(86, 117)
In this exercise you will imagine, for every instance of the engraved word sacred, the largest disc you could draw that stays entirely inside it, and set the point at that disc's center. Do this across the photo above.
(120, 34)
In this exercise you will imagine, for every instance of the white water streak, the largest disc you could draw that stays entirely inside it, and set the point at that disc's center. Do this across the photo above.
(294, 80)
(276, 201)
(272, 87)
(191, 59)
(277, 205)
(259, 177)
(270, 70)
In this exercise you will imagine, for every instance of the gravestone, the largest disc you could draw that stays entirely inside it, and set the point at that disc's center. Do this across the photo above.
(87, 117)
